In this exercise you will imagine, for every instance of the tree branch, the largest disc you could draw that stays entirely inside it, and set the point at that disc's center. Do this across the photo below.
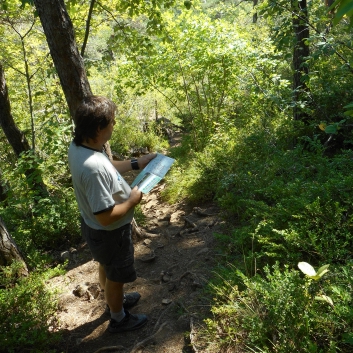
(88, 22)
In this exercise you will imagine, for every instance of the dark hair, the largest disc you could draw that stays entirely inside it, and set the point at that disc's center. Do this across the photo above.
(94, 112)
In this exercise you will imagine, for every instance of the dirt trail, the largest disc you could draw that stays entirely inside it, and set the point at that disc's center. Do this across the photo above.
(174, 260)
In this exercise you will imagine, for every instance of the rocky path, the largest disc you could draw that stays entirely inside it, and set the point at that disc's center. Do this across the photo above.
(175, 256)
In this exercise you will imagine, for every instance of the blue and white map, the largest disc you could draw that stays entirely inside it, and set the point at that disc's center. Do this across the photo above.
(153, 173)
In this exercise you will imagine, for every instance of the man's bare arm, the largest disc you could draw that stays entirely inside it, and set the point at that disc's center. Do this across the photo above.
(125, 166)
(118, 211)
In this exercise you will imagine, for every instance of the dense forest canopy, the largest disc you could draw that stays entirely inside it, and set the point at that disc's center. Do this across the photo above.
(262, 92)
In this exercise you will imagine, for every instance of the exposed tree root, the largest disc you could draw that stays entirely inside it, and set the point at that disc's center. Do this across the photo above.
(192, 335)
(109, 349)
(137, 230)
(163, 313)
(148, 339)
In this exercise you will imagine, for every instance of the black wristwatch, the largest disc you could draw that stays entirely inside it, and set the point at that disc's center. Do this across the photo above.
(134, 164)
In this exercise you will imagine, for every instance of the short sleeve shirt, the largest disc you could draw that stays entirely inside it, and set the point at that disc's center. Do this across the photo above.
(98, 185)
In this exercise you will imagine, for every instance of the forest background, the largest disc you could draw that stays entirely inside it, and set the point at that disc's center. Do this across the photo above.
(262, 91)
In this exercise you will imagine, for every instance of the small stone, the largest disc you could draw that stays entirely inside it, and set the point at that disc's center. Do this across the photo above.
(163, 223)
(196, 285)
(166, 278)
(64, 255)
(80, 290)
(78, 341)
(202, 251)
(94, 290)
(149, 258)
(147, 242)
(166, 301)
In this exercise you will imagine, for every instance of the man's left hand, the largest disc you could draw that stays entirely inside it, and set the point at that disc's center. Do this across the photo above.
(144, 160)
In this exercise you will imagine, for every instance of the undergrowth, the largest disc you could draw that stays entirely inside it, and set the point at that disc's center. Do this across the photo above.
(283, 205)
(27, 311)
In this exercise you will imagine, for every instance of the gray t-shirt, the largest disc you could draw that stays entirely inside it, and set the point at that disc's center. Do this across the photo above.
(98, 186)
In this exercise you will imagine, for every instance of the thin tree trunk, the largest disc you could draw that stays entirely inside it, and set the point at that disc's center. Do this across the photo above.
(254, 18)
(300, 54)
(88, 23)
(9, 251)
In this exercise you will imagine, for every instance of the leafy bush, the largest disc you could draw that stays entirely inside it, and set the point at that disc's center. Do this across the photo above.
(299, 207)
(27, 313)
(43, 222)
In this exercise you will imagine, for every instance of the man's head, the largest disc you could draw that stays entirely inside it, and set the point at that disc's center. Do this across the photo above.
(94, 113)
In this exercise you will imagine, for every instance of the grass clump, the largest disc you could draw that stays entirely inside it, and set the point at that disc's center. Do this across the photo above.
(280, 310)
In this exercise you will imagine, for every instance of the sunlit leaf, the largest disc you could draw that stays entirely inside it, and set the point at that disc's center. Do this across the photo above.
(307, 269)
(322, 126)
(345, 7)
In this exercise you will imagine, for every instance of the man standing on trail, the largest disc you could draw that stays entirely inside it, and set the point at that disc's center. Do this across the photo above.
(106, 203)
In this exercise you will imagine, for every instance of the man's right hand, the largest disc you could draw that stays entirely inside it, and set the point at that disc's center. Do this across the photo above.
(135, 196)
(119, 210)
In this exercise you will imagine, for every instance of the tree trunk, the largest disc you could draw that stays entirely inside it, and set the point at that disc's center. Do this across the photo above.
(68, 62)
(9, 251)
(254, 17)
(300, 53)
(16, 137)
(3, 191)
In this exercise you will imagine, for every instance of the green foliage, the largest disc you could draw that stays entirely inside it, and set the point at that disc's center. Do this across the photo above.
(278, 312)
(43, 223)
(27, 313)
(285, 188)
(298, 210)
(343, 8)
(129, 137)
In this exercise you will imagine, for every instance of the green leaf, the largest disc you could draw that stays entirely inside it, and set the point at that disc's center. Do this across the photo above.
(348, 112)
(350, 105)
(322, 270)
(348, 338)
(345, 8)
(309, 270)
(324, 298)
(331, 129)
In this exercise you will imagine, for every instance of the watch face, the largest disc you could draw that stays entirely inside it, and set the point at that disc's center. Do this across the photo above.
(134, 164)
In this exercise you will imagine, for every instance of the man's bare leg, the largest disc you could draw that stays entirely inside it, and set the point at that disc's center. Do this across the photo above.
(121, 320)
(102, 276)
(114, 295)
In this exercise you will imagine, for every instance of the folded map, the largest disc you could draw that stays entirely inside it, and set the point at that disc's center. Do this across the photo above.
(153, 173)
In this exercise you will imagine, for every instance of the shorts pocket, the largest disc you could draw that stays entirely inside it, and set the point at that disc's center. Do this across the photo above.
(124, 250)
(96, 238)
